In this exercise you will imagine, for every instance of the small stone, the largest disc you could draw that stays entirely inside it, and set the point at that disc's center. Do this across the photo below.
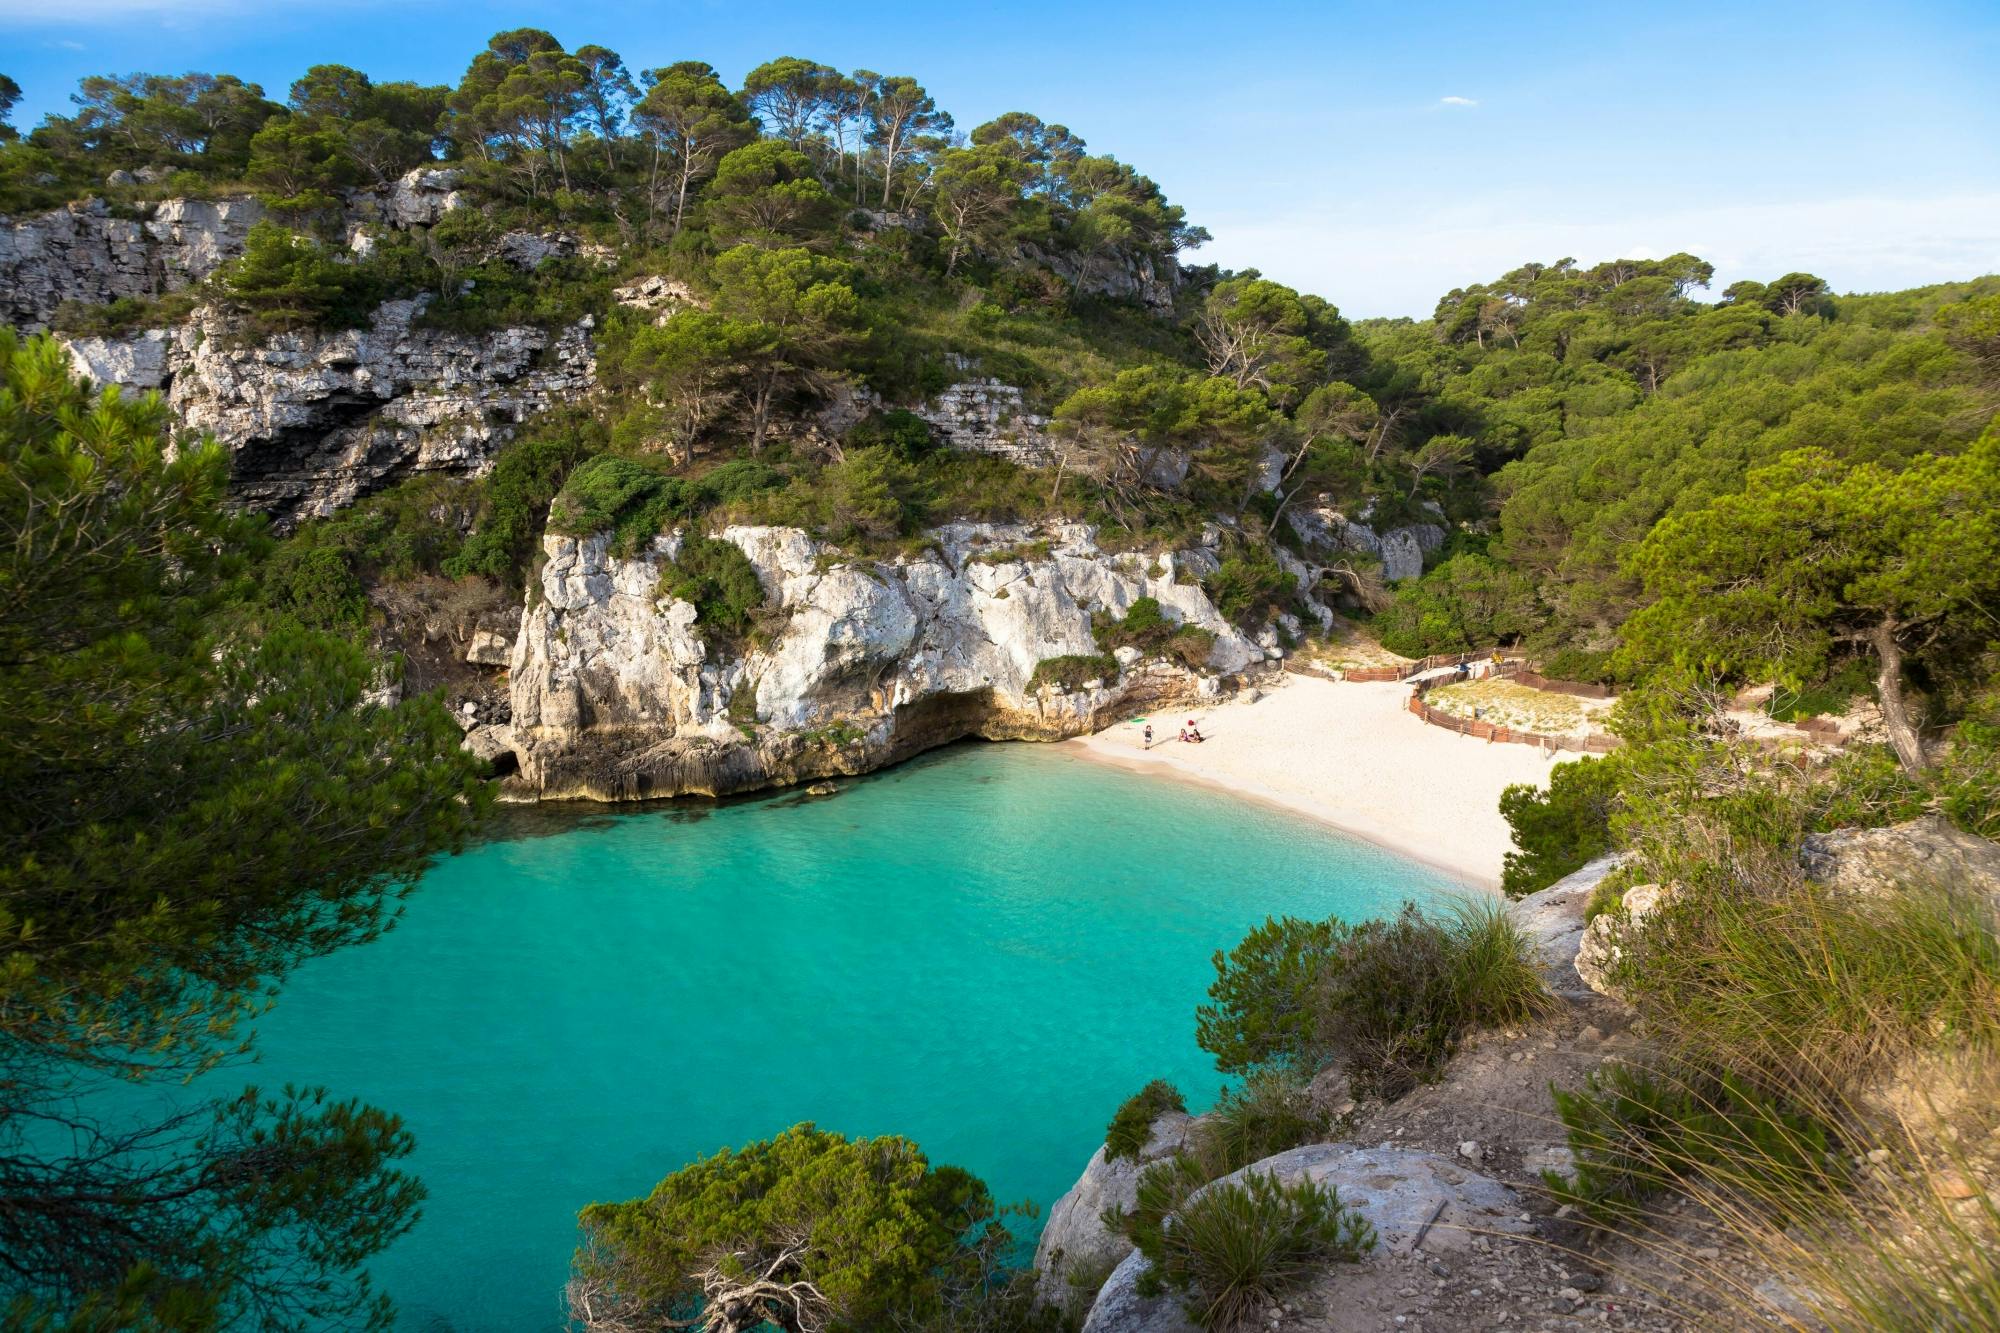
(1562, 1306)
(1952, 1185)
(1471, 1152)
(1877, 1156)
(1585, 1280)
(1571, 1294)
(1708, 1252)
(1591, 1035)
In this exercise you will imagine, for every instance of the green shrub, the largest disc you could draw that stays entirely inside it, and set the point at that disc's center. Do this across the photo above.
(1559, 829)
(1635, 1133)
(1388, 999)
(1248, 587)
(1268, 1113)
(1133, 1124)
(1191, 646)
(1163, 1187)
(903, 433)
(718, 579)
(284, 281)
(1468, 602)
(881, 1235)
(1070, 672)
(633, 499)
(525, 479)
(1240, 1247)
(1577, 664)
(316, 586)
(1263, 995)
(123, 315)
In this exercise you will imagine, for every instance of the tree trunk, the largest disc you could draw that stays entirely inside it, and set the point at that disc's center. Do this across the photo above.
(1889, 684)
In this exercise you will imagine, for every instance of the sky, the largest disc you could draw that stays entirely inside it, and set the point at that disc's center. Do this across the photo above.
(1377, 154)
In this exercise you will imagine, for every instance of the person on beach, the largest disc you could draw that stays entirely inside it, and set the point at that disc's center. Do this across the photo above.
(1192, 733)
(1149, 736)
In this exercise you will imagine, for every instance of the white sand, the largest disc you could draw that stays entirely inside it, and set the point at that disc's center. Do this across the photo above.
(1351, 756)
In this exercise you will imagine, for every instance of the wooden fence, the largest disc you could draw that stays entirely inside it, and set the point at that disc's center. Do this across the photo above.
(1482, 730)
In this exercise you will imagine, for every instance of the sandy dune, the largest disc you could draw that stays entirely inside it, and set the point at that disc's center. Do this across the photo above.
(1349, 755)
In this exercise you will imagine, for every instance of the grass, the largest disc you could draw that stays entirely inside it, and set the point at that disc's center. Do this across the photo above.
(1511, 705)
(1133, 1124)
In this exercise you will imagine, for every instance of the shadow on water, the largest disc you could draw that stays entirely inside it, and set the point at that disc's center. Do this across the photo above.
(523, 822)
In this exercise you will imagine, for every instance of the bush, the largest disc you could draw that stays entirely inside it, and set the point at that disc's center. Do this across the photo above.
(1133, 1124)
(283, 282)
(1268, 1113)
(1191, 646)
(1468, 602)
(1240, 1246)
(1635, 1133)
(718, 579)
(883, 1237)
(902, 433)
(316, 586)
(1388, 999)
(1560, 829)
(525, 479)
(1263, 995)
(1248, 587)
(1071, 672)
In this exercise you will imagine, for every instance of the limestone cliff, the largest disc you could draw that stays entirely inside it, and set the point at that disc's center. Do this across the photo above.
(91, 253)
(314, 420)
(619, 693)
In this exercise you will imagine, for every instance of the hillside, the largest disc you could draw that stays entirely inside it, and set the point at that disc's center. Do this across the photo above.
(678, 438)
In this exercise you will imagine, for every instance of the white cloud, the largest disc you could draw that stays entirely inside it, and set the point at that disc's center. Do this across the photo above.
(1401, 266)
(64, 45)
(77, 12)
(1457, 101)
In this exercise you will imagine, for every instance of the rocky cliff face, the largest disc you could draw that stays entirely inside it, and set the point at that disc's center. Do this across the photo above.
(313, 420)
(87, 252)
(619, 694)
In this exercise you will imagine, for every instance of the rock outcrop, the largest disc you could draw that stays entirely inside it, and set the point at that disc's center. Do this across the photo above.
(88, 252)
(1149, 281)
(1553, 920)
(1404, 1195)
(620, 694)
(1609, 934)
(1075, 1241)
(314, 420)
(1927, 851)
(1400, 549)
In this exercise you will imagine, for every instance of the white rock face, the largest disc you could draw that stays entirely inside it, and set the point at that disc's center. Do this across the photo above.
(81, 252)
(314, 420)
(1398, 1190)
(421, 197)
(1075, 1239)
(617, 692)
(1553, 921)
(990, 417)
(1605, 939)
(1401, 550)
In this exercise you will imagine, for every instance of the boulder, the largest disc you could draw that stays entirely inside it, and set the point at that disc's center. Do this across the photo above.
(491, 742)
(1075, 1241)
(1553, 921)
(490, 648)
(1923, 851)
(422, 196)
(1605, 939)
(1404, 1194)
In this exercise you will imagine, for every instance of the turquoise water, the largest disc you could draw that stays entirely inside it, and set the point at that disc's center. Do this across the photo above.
(986, 949)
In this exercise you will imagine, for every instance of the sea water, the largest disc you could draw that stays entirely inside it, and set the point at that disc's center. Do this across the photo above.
(986, 950)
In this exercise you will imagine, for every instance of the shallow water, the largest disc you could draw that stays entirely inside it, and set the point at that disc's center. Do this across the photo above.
(985, 949)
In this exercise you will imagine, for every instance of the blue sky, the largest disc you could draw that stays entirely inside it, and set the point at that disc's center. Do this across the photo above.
(1378, 154)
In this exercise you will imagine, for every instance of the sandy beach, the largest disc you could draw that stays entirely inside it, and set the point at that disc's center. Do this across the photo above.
(1350, 756)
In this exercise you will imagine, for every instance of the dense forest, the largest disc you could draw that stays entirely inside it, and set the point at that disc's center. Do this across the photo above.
(1644, 482)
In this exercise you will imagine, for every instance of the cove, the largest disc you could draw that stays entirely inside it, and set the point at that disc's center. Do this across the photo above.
(985, 949)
